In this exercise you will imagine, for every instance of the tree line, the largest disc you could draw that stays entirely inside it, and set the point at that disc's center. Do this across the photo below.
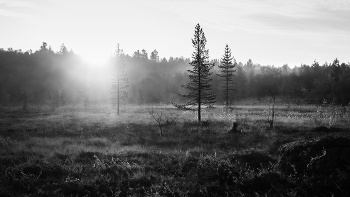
(45, 77)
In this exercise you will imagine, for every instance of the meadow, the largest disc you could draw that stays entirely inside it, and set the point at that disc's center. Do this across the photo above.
(74, 151)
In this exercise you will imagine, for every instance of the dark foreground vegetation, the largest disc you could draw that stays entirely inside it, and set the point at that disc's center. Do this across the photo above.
(94, 152)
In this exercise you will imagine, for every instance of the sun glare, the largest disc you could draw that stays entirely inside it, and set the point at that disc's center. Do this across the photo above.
(94, 59)
(94, 54)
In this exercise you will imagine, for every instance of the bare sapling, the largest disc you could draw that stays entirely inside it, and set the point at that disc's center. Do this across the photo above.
(158, 116)
(54, 99)
(84, 96)
(271, 112)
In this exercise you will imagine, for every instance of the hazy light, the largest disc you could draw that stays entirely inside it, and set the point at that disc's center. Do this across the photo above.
(268, 32)
(94, 52)
(94, 59)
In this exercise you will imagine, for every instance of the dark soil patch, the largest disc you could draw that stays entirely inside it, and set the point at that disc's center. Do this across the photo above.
(88, 157)
(323, 129)
(256, 160)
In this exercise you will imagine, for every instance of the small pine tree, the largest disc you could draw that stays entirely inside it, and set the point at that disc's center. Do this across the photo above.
(84, 96)
(55, 96)
(199, 87)
(120, 82)
(25, 100)
(227, 72)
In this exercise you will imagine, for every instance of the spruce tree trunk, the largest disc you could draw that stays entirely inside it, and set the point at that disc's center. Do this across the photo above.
(118, 99)
(199, 109)
(226, 92)
(273, 111)
(199, 95)
(199, 82)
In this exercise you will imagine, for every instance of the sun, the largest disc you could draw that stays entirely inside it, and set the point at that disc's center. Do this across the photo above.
(95, 58)
(93, 53)
(97, 69)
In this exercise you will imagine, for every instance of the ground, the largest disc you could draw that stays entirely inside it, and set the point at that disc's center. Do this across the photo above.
(74, 151)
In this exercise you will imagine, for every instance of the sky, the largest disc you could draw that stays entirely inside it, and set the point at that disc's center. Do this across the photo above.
(270, 32)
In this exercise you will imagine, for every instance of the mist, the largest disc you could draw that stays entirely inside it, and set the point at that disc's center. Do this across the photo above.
(154, 80)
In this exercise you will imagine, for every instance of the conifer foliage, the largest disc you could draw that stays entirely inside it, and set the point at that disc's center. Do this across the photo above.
(199, 88)
(227, 72)
(120, 82)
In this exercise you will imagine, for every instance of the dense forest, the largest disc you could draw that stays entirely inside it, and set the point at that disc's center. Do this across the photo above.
(45, 77)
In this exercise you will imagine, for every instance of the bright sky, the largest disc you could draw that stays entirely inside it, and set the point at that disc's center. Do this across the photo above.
(270, 32)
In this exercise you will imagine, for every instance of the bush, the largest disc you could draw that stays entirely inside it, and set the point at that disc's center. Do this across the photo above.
(320, 165)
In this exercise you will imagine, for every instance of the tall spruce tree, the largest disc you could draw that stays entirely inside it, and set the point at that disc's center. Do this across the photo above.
(120, 82)
(199, 87)
(227, 72)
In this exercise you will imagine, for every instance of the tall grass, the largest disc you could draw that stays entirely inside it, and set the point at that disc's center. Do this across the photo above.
(94, 152)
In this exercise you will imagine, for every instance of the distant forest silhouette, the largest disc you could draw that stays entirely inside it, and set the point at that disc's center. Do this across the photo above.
(44, 75)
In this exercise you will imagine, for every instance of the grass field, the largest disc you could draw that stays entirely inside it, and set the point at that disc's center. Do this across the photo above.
(94, 152)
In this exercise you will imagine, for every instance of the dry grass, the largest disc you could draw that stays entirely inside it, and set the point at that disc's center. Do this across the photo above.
(79, 138)
(101, 129)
